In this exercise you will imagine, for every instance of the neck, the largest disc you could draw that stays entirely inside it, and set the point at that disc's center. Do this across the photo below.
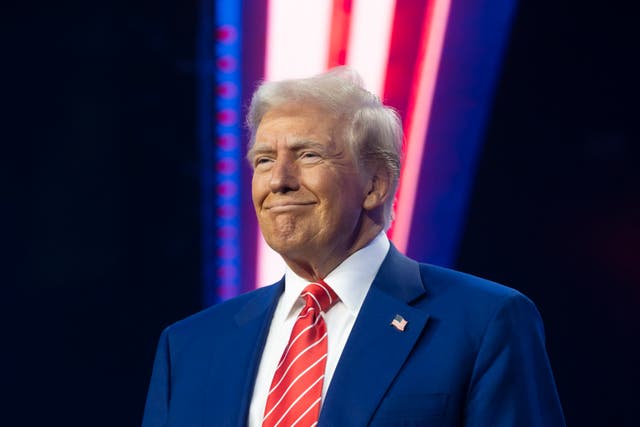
(318, 265)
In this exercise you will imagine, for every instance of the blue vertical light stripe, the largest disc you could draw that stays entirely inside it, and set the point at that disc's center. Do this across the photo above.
(220, 125)
(228, 153)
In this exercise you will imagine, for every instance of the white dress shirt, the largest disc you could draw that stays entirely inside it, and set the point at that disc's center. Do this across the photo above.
(351, 281)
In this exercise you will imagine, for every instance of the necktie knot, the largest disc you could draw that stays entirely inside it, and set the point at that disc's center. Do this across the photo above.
(319, 295)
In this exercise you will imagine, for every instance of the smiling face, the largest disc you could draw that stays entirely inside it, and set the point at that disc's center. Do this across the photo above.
(311, 197)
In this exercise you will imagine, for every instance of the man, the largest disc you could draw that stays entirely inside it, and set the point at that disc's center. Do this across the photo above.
(355, 334)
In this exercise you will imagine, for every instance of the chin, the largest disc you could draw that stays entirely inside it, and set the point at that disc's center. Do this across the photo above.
(293, 246)
(284, 245)
(286, 233)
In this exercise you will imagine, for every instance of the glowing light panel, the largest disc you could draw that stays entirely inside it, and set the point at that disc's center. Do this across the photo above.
(297, 38)
(368, 49)
(434, 27)
(298, 34)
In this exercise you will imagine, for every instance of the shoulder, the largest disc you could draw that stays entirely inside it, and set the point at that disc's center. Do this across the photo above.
(471, 300)
(221, 316)
(440, 281)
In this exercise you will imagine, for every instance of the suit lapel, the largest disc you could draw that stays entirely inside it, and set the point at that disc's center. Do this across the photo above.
(375, 350)
(253, 322)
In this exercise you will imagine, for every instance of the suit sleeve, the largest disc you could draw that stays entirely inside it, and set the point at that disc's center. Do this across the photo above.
(512, 383)
(157, 407)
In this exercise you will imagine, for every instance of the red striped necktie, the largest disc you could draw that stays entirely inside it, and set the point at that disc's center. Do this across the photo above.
(296, 390)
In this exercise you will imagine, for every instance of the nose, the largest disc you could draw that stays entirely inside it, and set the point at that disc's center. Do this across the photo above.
(284, 176)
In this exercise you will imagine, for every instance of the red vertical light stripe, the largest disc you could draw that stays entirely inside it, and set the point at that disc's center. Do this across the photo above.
(418, 115)
(403, 54)
(339, 38)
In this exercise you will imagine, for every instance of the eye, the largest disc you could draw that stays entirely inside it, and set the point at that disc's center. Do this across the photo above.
(262, 161)
(309, 155)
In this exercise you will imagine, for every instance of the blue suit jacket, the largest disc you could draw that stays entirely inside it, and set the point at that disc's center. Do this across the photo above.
(472, 354)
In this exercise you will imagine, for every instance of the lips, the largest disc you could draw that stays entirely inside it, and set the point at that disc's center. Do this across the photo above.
(286, 205)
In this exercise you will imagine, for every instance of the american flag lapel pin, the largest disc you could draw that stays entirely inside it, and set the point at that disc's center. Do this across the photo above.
(399, 323)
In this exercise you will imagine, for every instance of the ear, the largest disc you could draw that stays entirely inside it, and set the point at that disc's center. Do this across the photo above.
(378, 190)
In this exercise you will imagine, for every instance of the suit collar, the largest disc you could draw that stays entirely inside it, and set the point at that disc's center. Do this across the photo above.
(375, 350)
(263, 303)
(253, 321)
(399, 277)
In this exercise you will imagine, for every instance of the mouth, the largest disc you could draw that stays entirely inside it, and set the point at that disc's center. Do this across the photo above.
(286, 206)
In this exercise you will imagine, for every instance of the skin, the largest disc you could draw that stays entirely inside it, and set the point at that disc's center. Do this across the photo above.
(315, 204)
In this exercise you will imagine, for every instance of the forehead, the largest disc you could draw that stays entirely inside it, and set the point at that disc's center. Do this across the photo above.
(297, 120)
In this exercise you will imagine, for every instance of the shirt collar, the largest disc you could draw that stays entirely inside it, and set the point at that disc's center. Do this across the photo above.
(350, 280)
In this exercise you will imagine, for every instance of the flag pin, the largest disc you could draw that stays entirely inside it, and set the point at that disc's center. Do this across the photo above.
(399, 323)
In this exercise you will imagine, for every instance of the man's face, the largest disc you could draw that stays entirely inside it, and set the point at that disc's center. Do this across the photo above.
(307, 188)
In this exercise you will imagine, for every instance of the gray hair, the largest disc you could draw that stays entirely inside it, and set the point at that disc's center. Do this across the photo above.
(372, 130)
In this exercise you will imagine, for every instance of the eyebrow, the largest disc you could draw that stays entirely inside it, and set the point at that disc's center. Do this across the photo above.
(294, 145)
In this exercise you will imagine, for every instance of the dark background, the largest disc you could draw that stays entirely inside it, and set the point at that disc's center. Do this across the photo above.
(101, 214)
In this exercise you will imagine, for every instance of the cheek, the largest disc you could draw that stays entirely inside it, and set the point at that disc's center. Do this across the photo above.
(346, 199)
(257, 191)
